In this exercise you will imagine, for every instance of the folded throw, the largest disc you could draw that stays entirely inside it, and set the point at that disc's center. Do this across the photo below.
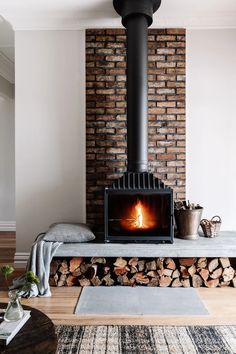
(39, 261)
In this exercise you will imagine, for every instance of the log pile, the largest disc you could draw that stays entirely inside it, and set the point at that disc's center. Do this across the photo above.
(163, 272)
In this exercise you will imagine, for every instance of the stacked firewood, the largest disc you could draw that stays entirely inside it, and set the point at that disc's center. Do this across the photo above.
(163, 272)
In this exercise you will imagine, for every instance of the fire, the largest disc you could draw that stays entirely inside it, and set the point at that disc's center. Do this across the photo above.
(139, 217)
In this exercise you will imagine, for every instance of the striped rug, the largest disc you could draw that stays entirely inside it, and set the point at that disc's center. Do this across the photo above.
(146, 339)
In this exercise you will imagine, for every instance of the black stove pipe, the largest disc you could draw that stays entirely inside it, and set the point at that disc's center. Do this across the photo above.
(137, 93)
(137, 17)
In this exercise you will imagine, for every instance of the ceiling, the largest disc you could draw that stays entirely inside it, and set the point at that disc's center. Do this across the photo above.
(79, 14)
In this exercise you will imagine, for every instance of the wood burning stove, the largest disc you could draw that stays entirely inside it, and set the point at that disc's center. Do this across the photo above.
(138, 206)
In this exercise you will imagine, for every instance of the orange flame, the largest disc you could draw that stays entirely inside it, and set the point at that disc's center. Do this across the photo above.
(139, 218)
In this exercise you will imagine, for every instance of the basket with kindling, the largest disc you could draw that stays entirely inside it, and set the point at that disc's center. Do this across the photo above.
(211, 228)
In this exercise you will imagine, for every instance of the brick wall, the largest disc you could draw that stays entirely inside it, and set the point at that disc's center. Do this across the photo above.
(106, 111)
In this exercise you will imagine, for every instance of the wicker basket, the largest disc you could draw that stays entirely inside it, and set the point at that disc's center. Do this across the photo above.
(211, 227)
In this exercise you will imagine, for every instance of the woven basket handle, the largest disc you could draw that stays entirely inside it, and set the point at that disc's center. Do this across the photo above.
(216, 217)
(204, 222)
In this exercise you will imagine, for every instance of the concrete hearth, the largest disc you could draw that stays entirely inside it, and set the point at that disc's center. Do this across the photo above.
(222, 246)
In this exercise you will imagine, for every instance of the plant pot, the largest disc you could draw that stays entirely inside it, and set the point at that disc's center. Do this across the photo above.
(188, 222)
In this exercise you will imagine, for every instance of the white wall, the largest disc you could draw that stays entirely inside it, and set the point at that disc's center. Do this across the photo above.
(50, 131)
(211, 122)
(6, 88)
(7, 164)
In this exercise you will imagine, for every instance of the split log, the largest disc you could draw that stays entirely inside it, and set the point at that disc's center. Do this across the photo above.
(121, 270)
(212, 283)
(160, 263)
(224, 261)
(84, 281)
(164, 281)
(124, 280)
(234, 282)
(100, 260)
(217, 273)
(141, 278)
(170, 263)
(152, 274)
(202, 262)
(213, 264)
(224, 284)
(53, 280)
(204, 274)
(77, 272)
(120, 262)
(167, 272)
(71, 280)
(192, 270)
(75, 263)
(84, 267)
(141, 265)
(54, 266)
(196, 281)
(62, 280)
(133, 269)
(176, 283)
(64, 269)
(133, 262)
(228, 274)
(184, 272)
(96, 281)
(151, 265)
(153, 282)
(176, 274)
(108, 280)
(185, 282)
(187, 262)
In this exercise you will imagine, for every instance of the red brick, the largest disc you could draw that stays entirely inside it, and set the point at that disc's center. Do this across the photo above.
(106, 111)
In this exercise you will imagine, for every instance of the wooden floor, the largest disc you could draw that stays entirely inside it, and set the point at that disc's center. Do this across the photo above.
(7, 247)
(221, 303)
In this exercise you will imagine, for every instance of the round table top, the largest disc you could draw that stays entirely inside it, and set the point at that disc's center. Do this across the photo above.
(37, 336)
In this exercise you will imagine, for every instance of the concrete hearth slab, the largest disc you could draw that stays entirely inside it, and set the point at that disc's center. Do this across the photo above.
(122, 300)
(222, 246)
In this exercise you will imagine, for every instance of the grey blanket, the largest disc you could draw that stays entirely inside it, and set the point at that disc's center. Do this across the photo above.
(41, 255)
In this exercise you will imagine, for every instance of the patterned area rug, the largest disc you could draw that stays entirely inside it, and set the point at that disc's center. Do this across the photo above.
(146, 339)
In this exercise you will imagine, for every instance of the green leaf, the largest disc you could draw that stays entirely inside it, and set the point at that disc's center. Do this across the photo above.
(7, 270)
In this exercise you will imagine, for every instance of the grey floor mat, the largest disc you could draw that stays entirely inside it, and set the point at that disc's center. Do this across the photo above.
(122, 300)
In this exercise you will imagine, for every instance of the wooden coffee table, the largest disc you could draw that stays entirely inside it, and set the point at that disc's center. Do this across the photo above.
(37, 336)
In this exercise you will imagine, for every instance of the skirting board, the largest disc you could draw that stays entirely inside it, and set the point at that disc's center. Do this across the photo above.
(21, 259)
(7, 226)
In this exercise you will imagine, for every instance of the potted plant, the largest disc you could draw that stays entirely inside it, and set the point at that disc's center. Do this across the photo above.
(14, 309)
